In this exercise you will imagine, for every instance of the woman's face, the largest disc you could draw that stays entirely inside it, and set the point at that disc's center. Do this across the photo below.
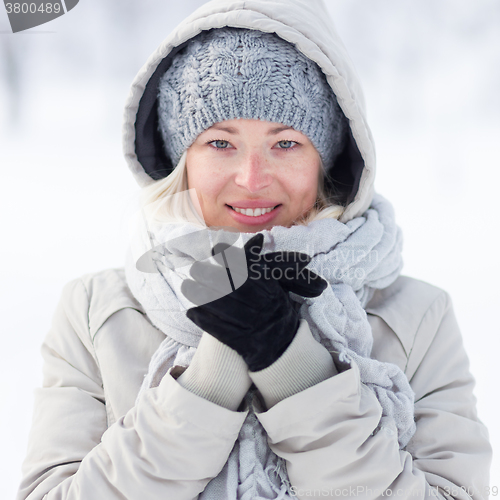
(253, 174)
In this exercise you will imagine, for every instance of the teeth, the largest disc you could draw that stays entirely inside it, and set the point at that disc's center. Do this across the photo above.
(253, 212)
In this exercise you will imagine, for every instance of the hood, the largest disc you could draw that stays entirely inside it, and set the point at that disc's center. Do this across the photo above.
(304, 23)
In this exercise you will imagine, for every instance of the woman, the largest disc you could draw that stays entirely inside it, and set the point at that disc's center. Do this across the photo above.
(296, 362)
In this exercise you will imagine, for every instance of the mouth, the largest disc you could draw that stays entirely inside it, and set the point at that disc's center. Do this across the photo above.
(253, 212)
(254, 216)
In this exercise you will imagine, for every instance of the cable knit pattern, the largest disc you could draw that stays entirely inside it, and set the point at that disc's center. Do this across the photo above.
(230, 73)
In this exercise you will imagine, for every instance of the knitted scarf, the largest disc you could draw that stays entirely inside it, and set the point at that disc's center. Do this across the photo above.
(356, 258)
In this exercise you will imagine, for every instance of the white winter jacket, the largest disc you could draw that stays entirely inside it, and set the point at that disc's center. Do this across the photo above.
(89, 440)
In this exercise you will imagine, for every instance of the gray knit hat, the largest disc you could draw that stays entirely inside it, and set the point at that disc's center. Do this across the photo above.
(229, 73)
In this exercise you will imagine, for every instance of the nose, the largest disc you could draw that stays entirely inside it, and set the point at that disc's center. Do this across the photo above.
(254, 173)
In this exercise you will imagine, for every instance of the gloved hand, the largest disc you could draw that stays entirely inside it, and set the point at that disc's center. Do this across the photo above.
(258, 319)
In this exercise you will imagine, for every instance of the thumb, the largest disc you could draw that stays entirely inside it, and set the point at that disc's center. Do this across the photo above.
(253, 247)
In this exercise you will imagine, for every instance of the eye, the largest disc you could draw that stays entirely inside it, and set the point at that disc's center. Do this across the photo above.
(219, 144)
(286, 144)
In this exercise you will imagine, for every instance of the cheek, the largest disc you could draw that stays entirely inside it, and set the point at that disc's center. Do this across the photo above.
(205, 178)
(303, 182)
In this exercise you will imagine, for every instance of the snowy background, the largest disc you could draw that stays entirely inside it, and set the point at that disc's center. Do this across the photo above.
(431, 74)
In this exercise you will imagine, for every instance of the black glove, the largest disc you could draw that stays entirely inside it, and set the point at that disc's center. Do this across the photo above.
(258, 319)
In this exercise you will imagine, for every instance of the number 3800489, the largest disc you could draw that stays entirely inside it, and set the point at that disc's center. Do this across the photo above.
(32, 8)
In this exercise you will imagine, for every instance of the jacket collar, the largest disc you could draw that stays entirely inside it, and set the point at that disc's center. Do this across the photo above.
(108, 293)
(402, 306)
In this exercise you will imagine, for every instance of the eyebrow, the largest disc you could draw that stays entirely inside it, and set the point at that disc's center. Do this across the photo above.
(232, 130)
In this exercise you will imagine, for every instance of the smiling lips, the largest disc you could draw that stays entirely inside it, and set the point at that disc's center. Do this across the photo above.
(254, 212)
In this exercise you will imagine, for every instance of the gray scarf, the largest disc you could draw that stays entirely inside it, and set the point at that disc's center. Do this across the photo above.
(356, 258)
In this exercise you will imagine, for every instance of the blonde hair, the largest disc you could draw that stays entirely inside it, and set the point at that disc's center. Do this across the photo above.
(157, 200)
